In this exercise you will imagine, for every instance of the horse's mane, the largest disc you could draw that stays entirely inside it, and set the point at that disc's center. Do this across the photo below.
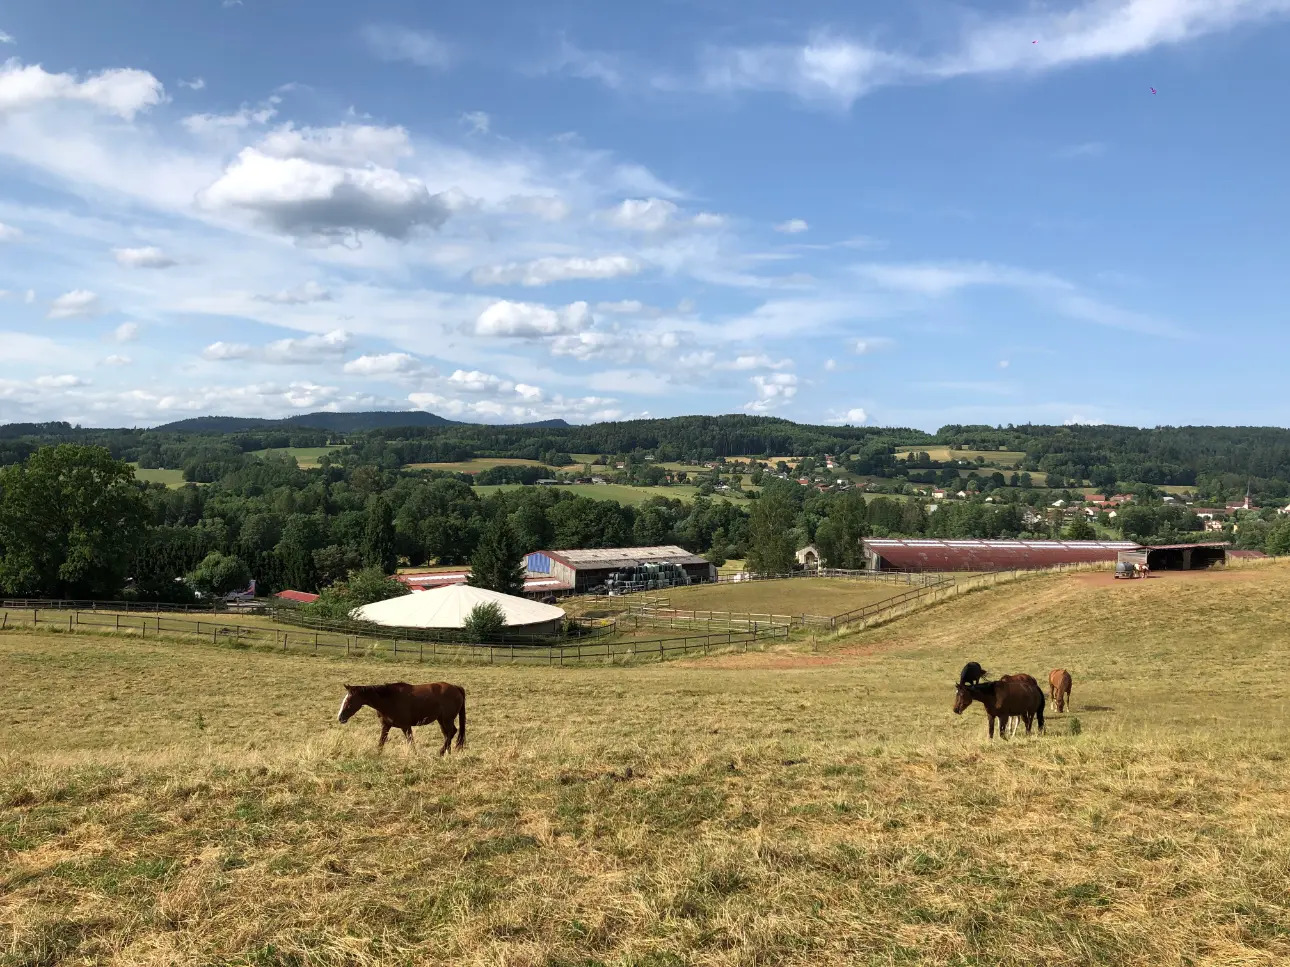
(389, 688)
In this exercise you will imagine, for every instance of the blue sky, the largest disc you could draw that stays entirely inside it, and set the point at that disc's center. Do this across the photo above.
(911, 213)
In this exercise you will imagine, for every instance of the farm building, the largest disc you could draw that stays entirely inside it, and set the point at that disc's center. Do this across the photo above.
(535, 586)
(297, 597)
(583, 570)
(809, 557)
(938, 555)
(448, 607)
(1177, 557)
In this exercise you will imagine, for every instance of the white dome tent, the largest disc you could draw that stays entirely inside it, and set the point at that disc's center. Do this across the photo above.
(448, 608)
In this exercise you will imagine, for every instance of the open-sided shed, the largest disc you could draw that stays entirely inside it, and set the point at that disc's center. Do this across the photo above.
(973, 555)
(1176, 557)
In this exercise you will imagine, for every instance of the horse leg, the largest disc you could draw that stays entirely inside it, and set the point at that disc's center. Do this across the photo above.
(1003, 727)
(407, 734)
(990, 718)
(385, 734)
(449, 730)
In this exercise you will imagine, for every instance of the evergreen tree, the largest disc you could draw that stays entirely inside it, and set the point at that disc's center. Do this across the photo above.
(1080, 529)
(498, 561)
(378, 537)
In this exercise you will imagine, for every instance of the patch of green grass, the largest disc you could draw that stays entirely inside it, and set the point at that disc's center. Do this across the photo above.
(622, 493)
(306, 457)
(478, 465)
(169, 478)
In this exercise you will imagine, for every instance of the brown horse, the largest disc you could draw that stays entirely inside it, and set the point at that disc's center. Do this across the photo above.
(1027, 718)
(401, 706)
(1013, 696)
(1059, 687)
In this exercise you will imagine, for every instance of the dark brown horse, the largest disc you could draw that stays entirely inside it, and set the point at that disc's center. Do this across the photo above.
(1059, 687)
(401, 706)
(1027, 718)
(1008, 697)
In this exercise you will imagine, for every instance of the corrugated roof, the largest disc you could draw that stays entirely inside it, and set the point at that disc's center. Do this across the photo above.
(976, 555)
(303, 597)
(439, 579)
(1247, 555)
(1183, 547)
(448, 607)
(611, 557)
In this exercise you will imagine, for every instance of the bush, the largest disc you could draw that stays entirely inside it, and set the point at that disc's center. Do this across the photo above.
(485, 621)
(219, 574)
(361, 587)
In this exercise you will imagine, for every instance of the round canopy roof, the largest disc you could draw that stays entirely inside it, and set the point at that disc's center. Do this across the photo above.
(448, 607)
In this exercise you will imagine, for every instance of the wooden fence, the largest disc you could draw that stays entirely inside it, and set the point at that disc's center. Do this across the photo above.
(333, 643)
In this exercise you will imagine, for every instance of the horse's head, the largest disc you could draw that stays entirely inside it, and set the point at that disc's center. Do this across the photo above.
(352, 703)
(962, 699)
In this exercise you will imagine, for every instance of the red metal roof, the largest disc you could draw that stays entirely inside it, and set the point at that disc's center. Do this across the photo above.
(1247, 555)
(301, 597)
(1184, 547)
(935, 555)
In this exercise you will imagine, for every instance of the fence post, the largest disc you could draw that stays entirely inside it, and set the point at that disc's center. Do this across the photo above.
(70, 616)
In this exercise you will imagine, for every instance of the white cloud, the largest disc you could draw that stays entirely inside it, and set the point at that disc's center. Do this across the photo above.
(836, 70)
(7, 38)
(871, 344)
(117, 360)
(527, 320)
(643, 214)
(476, 122)
(708, 220)
(854, 417)
(1004, 364)
(76, 303)
(66, 381)
(419, 47)
(473, 381)
(549, 208)
(773, 389)
(830, 365)
(304, 198)
(148, 257)
(585, 345)
(122, 92)
(196, 84)
(794, 226)
(758, 361)
(9, 234)
(353, 145)
(126, 332)
(547, 270)
(385, 364)
(301, 295)
(527, 392)
(1078, 420)
(30, 296)
(225, 351)
(308, 348)
(211, 125)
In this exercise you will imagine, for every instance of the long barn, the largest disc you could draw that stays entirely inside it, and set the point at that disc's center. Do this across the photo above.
(965, 555)
(590, 568)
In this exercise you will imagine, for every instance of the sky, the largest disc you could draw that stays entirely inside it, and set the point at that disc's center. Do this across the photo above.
(898, 213)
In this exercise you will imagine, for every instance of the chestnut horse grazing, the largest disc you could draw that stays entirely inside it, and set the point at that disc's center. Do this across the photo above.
(1059, 687)
(1003, 700)
(401, 706)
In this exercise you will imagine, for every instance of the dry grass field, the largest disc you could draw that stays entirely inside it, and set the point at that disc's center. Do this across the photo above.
(185, 804)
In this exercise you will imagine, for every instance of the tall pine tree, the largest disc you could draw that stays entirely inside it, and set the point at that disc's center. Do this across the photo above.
(378, 537)
(498, 561)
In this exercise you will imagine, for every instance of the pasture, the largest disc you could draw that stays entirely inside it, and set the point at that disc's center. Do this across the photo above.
(164, 803)
(169, 478)
(623, 493)
(792, 596)
(306, 457)
(998, 458)
(477, 465)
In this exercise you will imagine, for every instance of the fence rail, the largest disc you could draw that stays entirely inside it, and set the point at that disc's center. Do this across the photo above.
(323, 642)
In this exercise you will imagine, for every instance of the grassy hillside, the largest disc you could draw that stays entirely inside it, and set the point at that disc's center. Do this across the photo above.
(201, 805)
(306, 457)
(170, 478)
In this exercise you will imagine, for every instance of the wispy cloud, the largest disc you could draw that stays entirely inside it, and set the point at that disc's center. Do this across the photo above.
(419, 47)
(833, 69)
(1087, 149)
(7, 38)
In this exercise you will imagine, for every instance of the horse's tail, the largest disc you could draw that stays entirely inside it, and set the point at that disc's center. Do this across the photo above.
(1040, 713)
(461, 717)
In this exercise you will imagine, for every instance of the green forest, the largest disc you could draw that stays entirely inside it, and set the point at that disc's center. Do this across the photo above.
(76, 522)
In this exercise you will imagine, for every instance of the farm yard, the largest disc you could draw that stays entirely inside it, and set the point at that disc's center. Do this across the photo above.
(198, 804)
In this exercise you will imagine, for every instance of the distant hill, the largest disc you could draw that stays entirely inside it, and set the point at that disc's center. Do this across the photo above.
(338, 422)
